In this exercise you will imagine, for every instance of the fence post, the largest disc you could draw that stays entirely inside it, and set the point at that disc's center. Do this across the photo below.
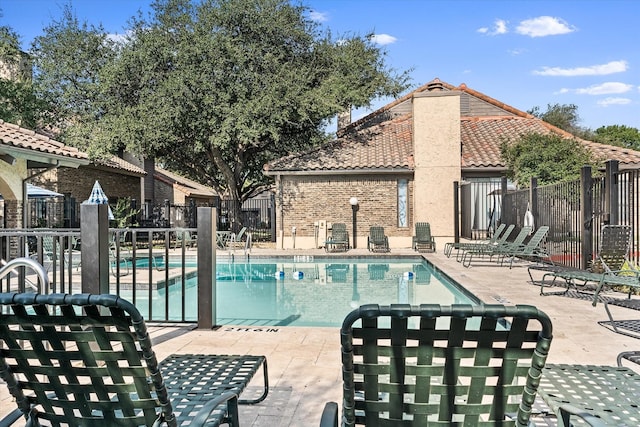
(586, 207)
(94, 235)
(272, 216)
(504, 189)
(456, 211)
(192, 213)
(207, 239)
(611, 191)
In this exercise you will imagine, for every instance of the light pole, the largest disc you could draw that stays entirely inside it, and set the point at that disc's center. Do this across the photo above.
(354, 208)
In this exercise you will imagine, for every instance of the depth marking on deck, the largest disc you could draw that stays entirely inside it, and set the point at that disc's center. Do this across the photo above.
(251, 330)
(501, 300)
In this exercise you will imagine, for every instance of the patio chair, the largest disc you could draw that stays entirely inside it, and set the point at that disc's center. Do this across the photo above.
(377, 241)
(236, 241)
(597, 395)
(339, 238)
(497, 240)
(607, 269)
(492, 250)
(184, 237)
(87, 360)
(447, 365)
(531, 250)
(423, 240)
(500, 236)
(54, 249)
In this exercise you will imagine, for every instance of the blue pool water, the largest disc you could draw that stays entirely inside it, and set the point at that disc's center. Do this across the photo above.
(318, 292)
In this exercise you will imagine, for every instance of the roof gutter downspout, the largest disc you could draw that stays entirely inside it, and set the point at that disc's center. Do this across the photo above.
(25, 197)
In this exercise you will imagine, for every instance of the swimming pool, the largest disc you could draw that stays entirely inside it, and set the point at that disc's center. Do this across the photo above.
(313, 292)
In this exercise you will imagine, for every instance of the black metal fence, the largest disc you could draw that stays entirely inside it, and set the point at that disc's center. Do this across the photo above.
(575, 211)
(257, 215)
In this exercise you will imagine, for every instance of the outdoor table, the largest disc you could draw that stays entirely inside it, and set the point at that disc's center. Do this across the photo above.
(602, 395)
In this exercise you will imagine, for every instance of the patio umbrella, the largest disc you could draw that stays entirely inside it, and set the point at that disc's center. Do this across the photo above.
(98, 197)
(35, 192)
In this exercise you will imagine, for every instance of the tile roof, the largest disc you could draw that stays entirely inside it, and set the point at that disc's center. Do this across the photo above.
(368, 145)
(385, 146)
(185, 185)
(116, 162)
(482, 137)
(15, 137)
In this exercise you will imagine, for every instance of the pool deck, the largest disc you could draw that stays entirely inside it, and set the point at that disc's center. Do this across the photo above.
(304, 363)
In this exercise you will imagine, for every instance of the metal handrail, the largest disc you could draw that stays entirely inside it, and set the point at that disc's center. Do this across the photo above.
(11, 266)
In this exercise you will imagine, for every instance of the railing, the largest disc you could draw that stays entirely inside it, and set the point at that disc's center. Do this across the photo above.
(153, 268)
(258, 215)
(23, 282)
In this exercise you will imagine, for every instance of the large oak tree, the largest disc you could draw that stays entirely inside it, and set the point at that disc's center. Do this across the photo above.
(218, 88)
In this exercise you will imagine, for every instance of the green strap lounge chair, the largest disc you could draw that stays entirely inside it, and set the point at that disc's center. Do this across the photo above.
(184, 238)
(500, 236)
(409, 366)
(498, 249)
(86, 360)
(533, 249)
(377, 241)
(339, 238)
(423, 241)
(499, 240)
(607, 269)
(593, 394)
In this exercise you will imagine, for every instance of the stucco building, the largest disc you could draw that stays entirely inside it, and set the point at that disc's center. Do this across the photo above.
(400, 164)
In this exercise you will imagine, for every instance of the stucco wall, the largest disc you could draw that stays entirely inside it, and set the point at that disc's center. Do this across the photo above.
(307, 199)
(437, 156)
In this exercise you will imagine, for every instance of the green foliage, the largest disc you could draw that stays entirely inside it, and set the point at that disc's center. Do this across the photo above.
(68, 60)
(620, 135)
(216, 89)
(549, 158)
(18, 102)
(123, 213)
(562, 116)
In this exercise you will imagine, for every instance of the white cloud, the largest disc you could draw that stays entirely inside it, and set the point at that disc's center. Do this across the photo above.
(117, 38)
(499, 27)
(614, 101)
(383, 39)
(592, 70)
(517, 51)
(318, 16)
(544, 26)
(605, 89)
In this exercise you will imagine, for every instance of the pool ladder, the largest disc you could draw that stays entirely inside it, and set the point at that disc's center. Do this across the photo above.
(16, 263)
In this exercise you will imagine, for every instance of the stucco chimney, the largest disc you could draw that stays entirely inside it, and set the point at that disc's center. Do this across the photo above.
(437, 157)
(344, 119)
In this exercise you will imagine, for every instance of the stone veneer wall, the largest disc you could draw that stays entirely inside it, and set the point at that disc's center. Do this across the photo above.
(306, 199)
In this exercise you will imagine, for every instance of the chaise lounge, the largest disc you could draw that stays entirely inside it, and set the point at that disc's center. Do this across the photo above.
(87, 360)
(339, 239)
(423, 241)
(424, 365)
(377, 241)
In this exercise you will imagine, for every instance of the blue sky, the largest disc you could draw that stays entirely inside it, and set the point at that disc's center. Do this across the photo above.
(524, 53)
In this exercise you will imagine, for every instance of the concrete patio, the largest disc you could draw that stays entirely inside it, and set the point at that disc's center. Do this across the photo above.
(304, 363)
